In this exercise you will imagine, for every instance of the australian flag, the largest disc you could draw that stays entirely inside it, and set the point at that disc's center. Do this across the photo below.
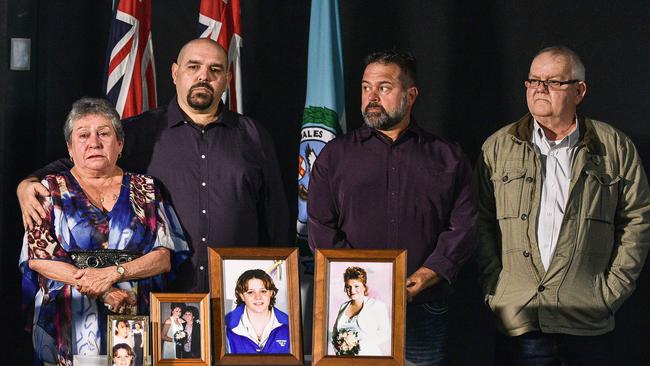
(130, 73)
(220, 20)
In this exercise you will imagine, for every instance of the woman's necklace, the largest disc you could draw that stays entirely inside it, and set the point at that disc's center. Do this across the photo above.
(99, 194)
(100, 190)
(259, 324)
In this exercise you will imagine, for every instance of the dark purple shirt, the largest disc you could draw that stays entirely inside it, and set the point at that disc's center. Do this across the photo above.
(223, 180)
(416, 193)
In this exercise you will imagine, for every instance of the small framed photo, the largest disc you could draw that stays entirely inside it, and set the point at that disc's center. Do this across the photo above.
(359, 307)
(255, 306)
(128, 340)
(179, 325)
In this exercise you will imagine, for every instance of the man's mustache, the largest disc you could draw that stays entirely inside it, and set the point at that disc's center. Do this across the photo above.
(202, 85)
(374, 105)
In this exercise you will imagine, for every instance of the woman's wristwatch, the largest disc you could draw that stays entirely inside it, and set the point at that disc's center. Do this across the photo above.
(121, 271)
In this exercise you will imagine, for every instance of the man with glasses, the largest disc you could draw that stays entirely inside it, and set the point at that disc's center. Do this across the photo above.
(564, 223)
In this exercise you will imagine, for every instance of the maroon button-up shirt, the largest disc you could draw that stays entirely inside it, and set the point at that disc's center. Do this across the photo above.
(416, 193)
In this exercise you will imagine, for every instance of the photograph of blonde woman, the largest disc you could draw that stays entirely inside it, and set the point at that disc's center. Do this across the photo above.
(361, 320)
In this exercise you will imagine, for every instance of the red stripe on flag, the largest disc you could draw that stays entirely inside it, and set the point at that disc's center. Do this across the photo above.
(139, 71)
(228, 14)
(120, 56)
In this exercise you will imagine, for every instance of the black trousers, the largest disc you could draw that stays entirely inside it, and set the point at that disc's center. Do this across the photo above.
(550, 349)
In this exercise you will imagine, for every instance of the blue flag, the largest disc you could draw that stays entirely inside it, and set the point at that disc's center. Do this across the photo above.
(324, 114)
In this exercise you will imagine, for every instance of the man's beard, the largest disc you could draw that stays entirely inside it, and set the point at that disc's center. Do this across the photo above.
(201, 100)
(383, 120)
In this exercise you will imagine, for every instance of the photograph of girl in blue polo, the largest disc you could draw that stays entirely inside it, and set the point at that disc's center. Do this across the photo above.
(256, 326)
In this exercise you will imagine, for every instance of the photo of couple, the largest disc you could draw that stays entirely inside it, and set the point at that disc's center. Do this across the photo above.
(181, 330)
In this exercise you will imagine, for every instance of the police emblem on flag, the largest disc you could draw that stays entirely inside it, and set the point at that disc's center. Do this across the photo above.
(319, 126)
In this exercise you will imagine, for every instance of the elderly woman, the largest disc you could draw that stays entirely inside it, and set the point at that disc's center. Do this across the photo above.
(362, 324)
(255, 325)
(95, 206)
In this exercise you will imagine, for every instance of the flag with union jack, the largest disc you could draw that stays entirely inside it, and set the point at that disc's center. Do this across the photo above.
(220, 20)
(130, 73)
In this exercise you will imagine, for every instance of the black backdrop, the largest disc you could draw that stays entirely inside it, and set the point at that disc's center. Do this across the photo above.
(473, 56)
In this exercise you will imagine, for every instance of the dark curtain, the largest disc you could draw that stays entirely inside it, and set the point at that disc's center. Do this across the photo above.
(472, 58)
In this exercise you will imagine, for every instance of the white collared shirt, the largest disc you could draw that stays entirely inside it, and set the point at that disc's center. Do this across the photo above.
(556, 158)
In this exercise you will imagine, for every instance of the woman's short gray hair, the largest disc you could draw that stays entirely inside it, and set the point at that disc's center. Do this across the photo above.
(92, 106)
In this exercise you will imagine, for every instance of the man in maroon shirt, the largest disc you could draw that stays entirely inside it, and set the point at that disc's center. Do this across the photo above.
(390, 184)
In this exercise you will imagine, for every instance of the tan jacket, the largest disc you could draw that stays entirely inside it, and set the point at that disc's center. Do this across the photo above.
(603, 240)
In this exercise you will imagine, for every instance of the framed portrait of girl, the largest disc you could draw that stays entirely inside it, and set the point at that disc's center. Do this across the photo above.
(256, 316)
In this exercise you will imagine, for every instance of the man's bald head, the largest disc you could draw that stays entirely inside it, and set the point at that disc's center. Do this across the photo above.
(203, 43)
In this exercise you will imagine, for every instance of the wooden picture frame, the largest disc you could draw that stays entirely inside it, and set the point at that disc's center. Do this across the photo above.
(232, 266)
(385, 272)
(136, 338)
(163, 305)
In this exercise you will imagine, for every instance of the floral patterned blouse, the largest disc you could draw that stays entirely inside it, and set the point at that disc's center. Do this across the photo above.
(66, 322)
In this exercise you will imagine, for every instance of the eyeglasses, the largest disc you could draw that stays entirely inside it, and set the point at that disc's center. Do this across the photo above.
(550, 84)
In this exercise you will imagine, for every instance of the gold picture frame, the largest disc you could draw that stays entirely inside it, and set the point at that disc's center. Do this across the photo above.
(328, 347)
(134, 344)
(229, 266)
(164, 312)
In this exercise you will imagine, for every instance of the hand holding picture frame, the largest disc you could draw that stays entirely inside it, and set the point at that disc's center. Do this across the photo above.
(359, 307)
(180, 329)
(255, 306)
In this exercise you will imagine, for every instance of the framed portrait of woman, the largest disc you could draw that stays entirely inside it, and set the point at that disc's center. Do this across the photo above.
(255, 306)
(128, 340)
(359, 307)
(179, 328)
